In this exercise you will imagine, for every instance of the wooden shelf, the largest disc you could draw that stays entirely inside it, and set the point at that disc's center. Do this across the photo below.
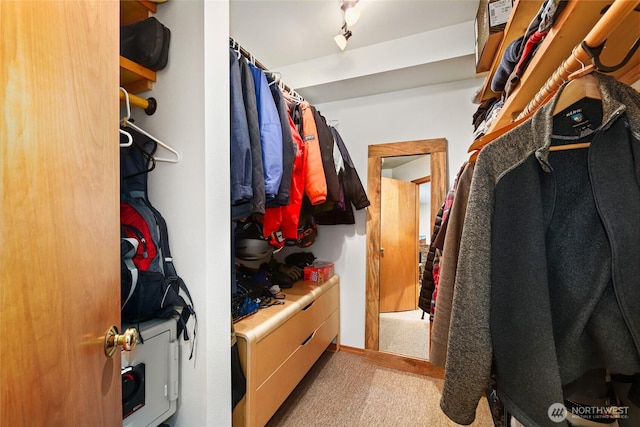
(521, 15)
(134, 77)
(570, 28)
(135, 10)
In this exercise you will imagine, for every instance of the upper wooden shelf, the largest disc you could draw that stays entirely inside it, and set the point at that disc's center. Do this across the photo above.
(570, 28)
(134, 77)
(521, 15)
(135, 10)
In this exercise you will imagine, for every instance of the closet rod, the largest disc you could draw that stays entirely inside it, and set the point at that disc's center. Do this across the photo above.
(579, 57)
(148, 105)
(235, 45)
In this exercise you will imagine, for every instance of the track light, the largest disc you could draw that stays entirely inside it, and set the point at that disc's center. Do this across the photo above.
(342, 38)
(351, 12)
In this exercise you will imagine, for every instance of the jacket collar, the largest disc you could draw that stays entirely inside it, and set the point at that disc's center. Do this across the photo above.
(616, 99)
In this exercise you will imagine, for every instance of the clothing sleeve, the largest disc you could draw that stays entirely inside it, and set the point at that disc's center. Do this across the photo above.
(326, 144)
(270, 134)
(288, 147)
(241, 190)
(251, 108)
(469, 354)
(353, 188)
(448, 264)
(315, 181)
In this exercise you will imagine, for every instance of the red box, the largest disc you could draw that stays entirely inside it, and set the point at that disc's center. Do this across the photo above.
(319, 271)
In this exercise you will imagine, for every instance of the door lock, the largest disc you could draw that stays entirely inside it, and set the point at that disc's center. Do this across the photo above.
(112, 340)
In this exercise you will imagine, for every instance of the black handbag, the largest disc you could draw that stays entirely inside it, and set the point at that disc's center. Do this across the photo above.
(146, 42)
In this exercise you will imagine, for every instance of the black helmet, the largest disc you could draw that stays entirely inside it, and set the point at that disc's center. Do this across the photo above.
(250, 245)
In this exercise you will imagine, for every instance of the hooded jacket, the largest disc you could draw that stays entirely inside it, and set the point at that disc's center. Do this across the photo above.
(546, 305)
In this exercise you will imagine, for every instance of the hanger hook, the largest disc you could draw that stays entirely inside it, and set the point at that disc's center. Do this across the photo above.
(126, 98)
(594, 53)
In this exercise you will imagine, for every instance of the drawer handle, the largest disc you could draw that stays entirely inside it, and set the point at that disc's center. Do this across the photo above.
(308, 305)
(308, 338)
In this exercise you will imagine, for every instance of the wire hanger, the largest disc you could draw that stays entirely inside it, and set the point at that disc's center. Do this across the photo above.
(127, 123)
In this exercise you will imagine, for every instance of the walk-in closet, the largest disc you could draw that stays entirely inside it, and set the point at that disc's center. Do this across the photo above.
(415, 213)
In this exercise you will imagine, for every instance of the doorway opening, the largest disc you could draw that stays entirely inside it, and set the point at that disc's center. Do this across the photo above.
(436, 149)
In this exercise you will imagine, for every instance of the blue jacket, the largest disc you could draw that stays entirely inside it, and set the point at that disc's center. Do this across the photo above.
(270, 134)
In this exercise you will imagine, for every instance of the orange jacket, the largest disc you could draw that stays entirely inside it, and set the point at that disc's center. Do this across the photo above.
(315, 181)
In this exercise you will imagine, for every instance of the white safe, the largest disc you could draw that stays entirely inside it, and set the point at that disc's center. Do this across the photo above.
(150, 375)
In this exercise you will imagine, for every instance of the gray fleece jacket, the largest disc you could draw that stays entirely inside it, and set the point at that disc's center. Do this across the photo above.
(548, 277)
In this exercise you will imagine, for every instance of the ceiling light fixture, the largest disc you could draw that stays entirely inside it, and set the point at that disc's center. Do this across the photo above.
(351, 12)
(342, 38)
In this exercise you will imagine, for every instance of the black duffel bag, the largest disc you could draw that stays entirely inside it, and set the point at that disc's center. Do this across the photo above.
(146, 42)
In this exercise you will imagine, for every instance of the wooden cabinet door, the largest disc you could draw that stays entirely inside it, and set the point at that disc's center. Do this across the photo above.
(399, 245)
(59, 217)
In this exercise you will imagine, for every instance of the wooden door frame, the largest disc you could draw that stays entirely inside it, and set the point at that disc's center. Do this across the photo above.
(437, 149)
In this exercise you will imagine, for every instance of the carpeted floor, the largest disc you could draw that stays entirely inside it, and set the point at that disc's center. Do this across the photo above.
(342, 389)
(405, 333)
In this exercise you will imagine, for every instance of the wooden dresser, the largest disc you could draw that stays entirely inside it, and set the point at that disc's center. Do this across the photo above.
(279, 344)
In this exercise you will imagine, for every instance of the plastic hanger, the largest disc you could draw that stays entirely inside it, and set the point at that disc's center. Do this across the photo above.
(127, 123)
(237, 49)
(129, 138)
(124, 132)
(276, 77)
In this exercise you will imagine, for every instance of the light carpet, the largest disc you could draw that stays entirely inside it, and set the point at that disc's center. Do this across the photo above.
(404, 333)
(342, 389)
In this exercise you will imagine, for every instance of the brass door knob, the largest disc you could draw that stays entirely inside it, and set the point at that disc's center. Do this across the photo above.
(112, 340)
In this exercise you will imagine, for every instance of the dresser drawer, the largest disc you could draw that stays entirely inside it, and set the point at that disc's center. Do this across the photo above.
(276, 347)
(274, 391)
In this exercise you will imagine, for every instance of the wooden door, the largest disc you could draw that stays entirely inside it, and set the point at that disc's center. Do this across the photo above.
(59, 218)
(399, 245)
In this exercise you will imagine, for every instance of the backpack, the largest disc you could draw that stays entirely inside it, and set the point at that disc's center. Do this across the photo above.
(150, 285)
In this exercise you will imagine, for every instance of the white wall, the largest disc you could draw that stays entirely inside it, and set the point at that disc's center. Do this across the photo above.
(193, 117)
(430, 112)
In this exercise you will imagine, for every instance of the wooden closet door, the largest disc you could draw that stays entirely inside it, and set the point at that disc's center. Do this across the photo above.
(59, 217)
(399, 239)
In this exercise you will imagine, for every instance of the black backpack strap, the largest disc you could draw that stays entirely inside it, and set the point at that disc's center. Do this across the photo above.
(171, 275)
(129, 247)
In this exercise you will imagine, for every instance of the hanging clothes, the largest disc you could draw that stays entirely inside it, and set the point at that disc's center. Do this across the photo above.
(251, 110)
(285, 219)
(288, 147)
(270, 134)
(315, 181)
(528, 298)
(325, 141)
(240, 149)
(353, 188)
(428, 282)
(448, 263)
